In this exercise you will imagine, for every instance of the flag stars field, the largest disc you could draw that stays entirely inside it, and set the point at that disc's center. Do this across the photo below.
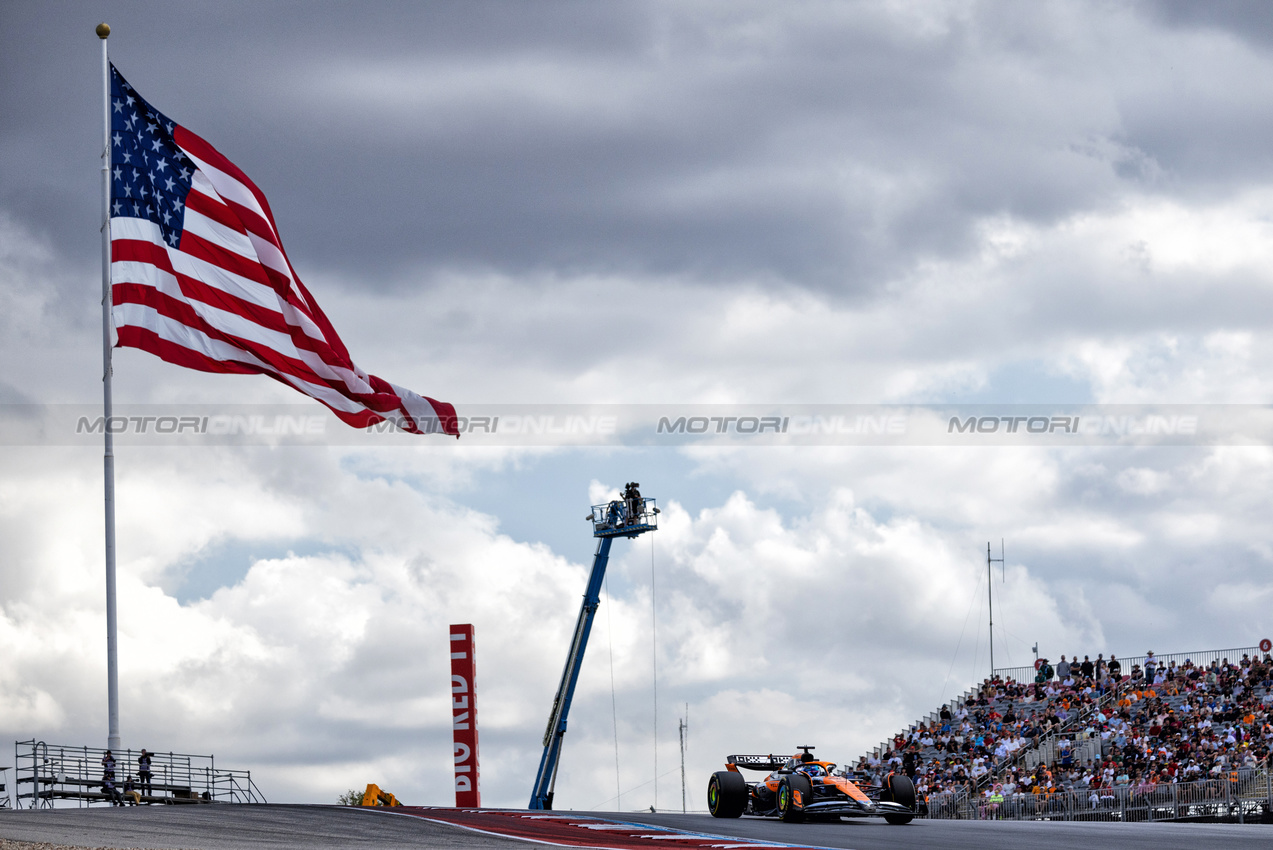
(132, 121)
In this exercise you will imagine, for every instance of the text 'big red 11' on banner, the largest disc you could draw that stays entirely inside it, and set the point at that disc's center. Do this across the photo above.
(468, 793)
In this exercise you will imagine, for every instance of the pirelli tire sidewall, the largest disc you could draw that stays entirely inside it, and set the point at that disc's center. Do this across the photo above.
(726, 794)
(899, 789)
(788, 809)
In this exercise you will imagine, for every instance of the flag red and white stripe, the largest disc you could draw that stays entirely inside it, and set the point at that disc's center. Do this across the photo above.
(225, 297)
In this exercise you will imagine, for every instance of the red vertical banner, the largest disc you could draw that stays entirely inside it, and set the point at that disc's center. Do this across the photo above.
(468, 794)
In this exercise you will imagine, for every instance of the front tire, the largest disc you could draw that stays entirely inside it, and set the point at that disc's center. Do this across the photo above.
(899, 789)
(793, 787)
(726, 794)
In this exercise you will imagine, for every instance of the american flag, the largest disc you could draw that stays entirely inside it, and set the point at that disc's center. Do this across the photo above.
(200, 279)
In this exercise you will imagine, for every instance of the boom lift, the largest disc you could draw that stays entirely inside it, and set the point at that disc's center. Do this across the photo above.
(627, 517)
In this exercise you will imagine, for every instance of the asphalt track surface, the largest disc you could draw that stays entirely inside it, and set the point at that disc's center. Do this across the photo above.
(281, 827)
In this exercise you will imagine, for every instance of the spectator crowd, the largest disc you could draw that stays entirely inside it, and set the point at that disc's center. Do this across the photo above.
(1092, 728)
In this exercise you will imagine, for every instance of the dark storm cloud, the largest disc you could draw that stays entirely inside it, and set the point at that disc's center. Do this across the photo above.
(816, 146)
(1247, 20)
(825, 146)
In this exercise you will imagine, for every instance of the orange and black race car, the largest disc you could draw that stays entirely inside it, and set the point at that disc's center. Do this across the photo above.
(801, 787)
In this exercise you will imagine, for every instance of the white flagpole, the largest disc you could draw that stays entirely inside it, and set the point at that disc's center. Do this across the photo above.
(112, 641)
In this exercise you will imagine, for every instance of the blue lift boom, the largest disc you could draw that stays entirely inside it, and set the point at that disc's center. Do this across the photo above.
(628, 517)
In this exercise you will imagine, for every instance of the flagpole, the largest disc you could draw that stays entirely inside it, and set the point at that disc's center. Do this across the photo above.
(108, 459)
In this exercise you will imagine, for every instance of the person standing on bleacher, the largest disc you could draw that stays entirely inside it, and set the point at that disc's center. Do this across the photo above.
(143, 771)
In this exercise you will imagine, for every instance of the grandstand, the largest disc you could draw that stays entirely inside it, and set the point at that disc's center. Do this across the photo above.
(54, 774)
(1184, 736)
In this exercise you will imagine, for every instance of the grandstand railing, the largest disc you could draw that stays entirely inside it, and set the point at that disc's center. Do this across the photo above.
(1083, 751)
(1202, 658)
(1045, 751)
(933, 717)
(52, 772)
(1242, 795)
(1066, 730)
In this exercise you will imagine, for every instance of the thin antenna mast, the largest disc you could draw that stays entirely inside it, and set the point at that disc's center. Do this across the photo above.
(991, 600)
(684, 730)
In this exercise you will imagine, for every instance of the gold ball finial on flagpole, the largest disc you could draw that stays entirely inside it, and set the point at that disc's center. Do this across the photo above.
(103, 30)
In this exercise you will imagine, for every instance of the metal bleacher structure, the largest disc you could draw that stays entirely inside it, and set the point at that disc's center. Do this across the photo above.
(1202, 658)
(1241, 794)
(47, 774)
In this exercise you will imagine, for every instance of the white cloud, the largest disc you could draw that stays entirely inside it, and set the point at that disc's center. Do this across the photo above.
(331, 659)
(762, 203)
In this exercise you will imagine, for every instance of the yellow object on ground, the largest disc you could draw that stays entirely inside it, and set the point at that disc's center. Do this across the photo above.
(373, 796)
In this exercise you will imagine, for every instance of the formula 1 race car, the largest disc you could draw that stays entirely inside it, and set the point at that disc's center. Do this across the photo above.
(801, 787)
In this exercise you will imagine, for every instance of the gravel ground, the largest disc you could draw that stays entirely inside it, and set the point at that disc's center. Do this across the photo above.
(259, 827)
(6, 844)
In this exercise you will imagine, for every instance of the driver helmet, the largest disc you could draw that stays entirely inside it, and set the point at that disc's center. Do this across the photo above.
(810, 769)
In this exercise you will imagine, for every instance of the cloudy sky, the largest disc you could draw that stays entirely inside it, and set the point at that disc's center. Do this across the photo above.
(661, 204)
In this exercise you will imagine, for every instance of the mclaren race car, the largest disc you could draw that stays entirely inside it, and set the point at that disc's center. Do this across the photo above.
(802, 787)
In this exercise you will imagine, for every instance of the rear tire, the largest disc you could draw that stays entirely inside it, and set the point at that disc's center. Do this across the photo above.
(726, 794)
(788, 809)
(899, 789)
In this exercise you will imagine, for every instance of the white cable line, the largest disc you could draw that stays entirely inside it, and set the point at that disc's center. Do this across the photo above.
(614, 710)
(1003, 582)
(598, 806)
(688, 794)
(955, 658)
(654, 650)
(976, 646)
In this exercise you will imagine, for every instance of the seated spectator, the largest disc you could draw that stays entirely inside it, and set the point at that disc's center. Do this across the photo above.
(109, 789)
(1145, 737)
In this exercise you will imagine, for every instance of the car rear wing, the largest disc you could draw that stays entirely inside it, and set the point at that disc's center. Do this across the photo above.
(767, 762)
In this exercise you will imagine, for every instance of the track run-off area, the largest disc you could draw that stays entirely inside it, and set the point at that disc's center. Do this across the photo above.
(284, 827)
